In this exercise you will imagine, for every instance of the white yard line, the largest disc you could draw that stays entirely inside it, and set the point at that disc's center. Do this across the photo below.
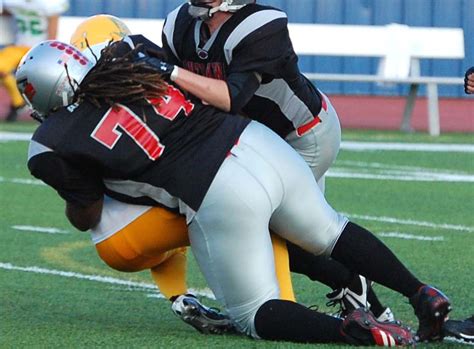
(34, 229)
(425, 147)
(347, 145)
(405, 236)
(14, 136)
(392, 167)
(98, 278)
(21, 181)
(425, 176)
(444, 226)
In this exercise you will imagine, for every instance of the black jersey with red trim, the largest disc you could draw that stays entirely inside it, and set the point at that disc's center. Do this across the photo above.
(163, 154)
(253, 53)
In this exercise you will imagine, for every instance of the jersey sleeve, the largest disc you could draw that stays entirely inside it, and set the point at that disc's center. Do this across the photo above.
(242, 86)
(170, 55)
(176, 21)
(267, 50)
(73, 185)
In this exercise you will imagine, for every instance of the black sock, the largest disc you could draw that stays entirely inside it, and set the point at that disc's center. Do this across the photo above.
(318, 268)
(360, 250)
(375, 306)
(289, 321)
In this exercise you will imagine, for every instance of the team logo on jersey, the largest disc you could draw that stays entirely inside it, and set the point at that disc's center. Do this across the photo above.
(215, 70)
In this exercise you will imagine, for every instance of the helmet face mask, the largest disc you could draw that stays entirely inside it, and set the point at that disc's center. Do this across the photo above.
(201, 8)
(49, 74)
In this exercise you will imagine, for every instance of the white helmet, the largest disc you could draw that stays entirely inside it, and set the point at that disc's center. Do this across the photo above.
(49, 75)
(202, 10)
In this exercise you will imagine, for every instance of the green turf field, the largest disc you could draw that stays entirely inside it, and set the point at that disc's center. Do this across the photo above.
(55, 291)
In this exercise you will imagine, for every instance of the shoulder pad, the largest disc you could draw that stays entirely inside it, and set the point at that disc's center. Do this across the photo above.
(264, 23)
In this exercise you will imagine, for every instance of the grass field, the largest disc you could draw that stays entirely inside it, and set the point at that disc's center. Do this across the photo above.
(55, 291)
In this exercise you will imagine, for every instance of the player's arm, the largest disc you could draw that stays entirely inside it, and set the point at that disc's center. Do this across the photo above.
(53, 27)
(83, 192)
(84, 218)
(263, 54)
(53, 10)
(229, 95)
(210, 91)
(148, 46)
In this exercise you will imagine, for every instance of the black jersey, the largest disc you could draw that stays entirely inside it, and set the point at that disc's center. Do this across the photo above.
(254, 41)
(163, 154)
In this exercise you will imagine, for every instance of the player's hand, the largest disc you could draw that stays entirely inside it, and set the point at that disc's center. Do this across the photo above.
(163, 68)
(469, 81)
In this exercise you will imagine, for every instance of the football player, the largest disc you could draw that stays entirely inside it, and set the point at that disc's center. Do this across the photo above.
(237, 56)
(127, 132)
(103, 28)
(469, 81)
(162, 253)
(36, 20)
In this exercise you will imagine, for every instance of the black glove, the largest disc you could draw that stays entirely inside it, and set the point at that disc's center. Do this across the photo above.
(468, 72)
(163, 68)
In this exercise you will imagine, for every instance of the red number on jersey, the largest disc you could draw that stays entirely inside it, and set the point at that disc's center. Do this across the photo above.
(170, 105)
(107, 134)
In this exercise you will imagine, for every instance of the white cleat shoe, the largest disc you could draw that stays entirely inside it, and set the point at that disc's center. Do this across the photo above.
(204, 319)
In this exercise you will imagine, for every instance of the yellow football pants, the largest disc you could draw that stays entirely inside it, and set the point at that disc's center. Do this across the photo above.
(10, 57)
(156, 241)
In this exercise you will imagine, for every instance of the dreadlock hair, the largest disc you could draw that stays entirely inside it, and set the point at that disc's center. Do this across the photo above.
(118, 77)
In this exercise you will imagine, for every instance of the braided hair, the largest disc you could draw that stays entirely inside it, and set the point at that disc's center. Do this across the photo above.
(118, 77)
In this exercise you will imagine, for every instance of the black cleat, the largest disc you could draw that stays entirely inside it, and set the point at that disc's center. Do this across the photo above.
(350, 298)
(204, 319)
(360, 327)
(459, 330)
(431, 307)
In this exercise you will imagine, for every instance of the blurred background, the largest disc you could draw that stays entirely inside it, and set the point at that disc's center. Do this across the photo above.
(360, 104)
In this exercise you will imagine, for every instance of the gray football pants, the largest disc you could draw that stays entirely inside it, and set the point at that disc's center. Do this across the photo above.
(262, 182)
(320, 145)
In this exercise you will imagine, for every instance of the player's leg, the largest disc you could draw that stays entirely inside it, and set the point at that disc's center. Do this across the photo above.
(319, 147)
(9, 59)
(306, 219)
(144, 239)
(170, 274)
(282, 268)
(230, 240)
(232, 245)
(151, 238)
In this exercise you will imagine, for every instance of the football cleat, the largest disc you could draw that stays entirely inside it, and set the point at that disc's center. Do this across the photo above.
(431, 307)
(204, 319)
(459, 330)
(360, 327)
(386, 316)
(350, 298)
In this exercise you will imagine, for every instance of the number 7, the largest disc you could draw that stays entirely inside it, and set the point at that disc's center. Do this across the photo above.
(168, 106)
(107, 134)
